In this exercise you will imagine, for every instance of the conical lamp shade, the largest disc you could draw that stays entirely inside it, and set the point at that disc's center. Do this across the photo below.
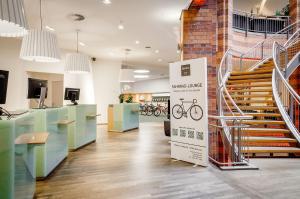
(12, 18)
(40, 46)
(77, 63)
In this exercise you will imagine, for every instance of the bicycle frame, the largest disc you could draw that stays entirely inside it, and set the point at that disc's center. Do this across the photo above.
(185, 102)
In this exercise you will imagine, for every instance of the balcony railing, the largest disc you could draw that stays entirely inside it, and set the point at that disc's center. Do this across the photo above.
(248, 22)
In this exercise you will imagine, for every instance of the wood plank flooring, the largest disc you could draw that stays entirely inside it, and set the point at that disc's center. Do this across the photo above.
(137, 165)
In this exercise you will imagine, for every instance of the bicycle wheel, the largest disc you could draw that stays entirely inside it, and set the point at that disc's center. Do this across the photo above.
(196, 112)
(157, 112)
(177, 111)
(149, 111)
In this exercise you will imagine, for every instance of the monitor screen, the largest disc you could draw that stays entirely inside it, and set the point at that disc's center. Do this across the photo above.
(3, 85)
(72, 94)
(34, 88)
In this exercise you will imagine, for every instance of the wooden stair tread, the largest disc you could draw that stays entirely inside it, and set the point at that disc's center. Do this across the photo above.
(249, 81)
(259, 114)
(254, 101)
(250, 90)
(253, 96)
(249, 85)
(257, 107)
(271, 150)
(269, 139)
(264, 130)
(263, 122)
(234, 73)
(241, 77)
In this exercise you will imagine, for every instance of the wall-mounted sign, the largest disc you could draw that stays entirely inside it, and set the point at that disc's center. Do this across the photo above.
(189, 116)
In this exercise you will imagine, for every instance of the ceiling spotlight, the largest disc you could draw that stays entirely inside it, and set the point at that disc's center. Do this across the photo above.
(156, 51)
(159, 60)
(141, 71)
(141, 76)
(137, 42)
(106, 2)
(81, 44)
(49, 28)
(121, 26)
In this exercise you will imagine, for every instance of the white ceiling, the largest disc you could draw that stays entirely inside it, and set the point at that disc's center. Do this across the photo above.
(154, 23)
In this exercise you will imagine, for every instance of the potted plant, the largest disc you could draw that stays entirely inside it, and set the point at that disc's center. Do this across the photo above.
(129, 99)
(121, 98)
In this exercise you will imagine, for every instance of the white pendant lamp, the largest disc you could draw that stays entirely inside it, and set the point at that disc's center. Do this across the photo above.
(40, 45)
(77, 62)
(126, 76)
(12, 18)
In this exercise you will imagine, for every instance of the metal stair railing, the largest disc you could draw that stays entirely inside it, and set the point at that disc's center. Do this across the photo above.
(287, 99)
(263, 50)
(250, 22)
(228, 124)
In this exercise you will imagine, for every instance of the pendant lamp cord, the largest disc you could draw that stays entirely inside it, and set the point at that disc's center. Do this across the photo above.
(77, 40)
(41, 15)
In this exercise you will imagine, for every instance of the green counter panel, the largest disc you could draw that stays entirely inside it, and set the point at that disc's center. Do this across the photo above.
(17, 162)
(83, 130)
(125, 117)
(51, 154)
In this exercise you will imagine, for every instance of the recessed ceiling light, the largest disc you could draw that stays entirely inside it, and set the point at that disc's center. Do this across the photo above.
(121, 26)
(137, 42)
(81, 44)
(141, 76)
(159, 60)
(156, 51)
(107, 2)
(49, 28)
(141, 71)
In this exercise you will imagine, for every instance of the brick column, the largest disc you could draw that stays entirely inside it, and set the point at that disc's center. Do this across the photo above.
(294, 10)
(205, 33)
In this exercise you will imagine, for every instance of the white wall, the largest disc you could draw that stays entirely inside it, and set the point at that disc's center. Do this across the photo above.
(106, 81)
(152, 86)
(106, 85)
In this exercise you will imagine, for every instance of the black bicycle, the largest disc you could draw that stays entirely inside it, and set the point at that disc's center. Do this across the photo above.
(196, 112)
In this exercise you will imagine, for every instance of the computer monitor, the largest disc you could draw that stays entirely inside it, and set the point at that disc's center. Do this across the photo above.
(72, 94)
(37, 89)
(3, 85)
(34, 88)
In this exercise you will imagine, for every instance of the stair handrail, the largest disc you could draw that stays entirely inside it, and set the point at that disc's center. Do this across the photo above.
(222, 79)
(285, 96)
(263, 50)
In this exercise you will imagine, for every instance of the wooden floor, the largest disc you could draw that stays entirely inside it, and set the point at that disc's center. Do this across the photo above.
(137, 164)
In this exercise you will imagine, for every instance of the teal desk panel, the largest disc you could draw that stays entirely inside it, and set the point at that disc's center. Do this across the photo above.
(17, 168)
(84, 129)
(51, 154)
(125, 116)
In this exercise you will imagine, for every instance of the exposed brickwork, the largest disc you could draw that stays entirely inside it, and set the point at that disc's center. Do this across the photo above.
(294, 10)
(205, 34)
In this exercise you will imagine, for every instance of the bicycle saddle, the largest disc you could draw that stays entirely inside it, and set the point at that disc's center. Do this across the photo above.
(181, 99)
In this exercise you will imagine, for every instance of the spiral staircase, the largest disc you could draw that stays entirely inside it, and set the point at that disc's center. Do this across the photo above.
(256, 84)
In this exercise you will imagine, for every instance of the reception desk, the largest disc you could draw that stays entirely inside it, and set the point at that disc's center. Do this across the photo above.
(83, 131)
(123, 117)
(17, 156)
(49, 155)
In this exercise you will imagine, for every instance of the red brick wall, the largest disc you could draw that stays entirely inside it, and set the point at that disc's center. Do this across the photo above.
(205, 34)
(294, 10)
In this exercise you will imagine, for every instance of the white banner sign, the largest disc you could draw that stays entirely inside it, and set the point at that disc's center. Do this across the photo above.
(189, 116)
